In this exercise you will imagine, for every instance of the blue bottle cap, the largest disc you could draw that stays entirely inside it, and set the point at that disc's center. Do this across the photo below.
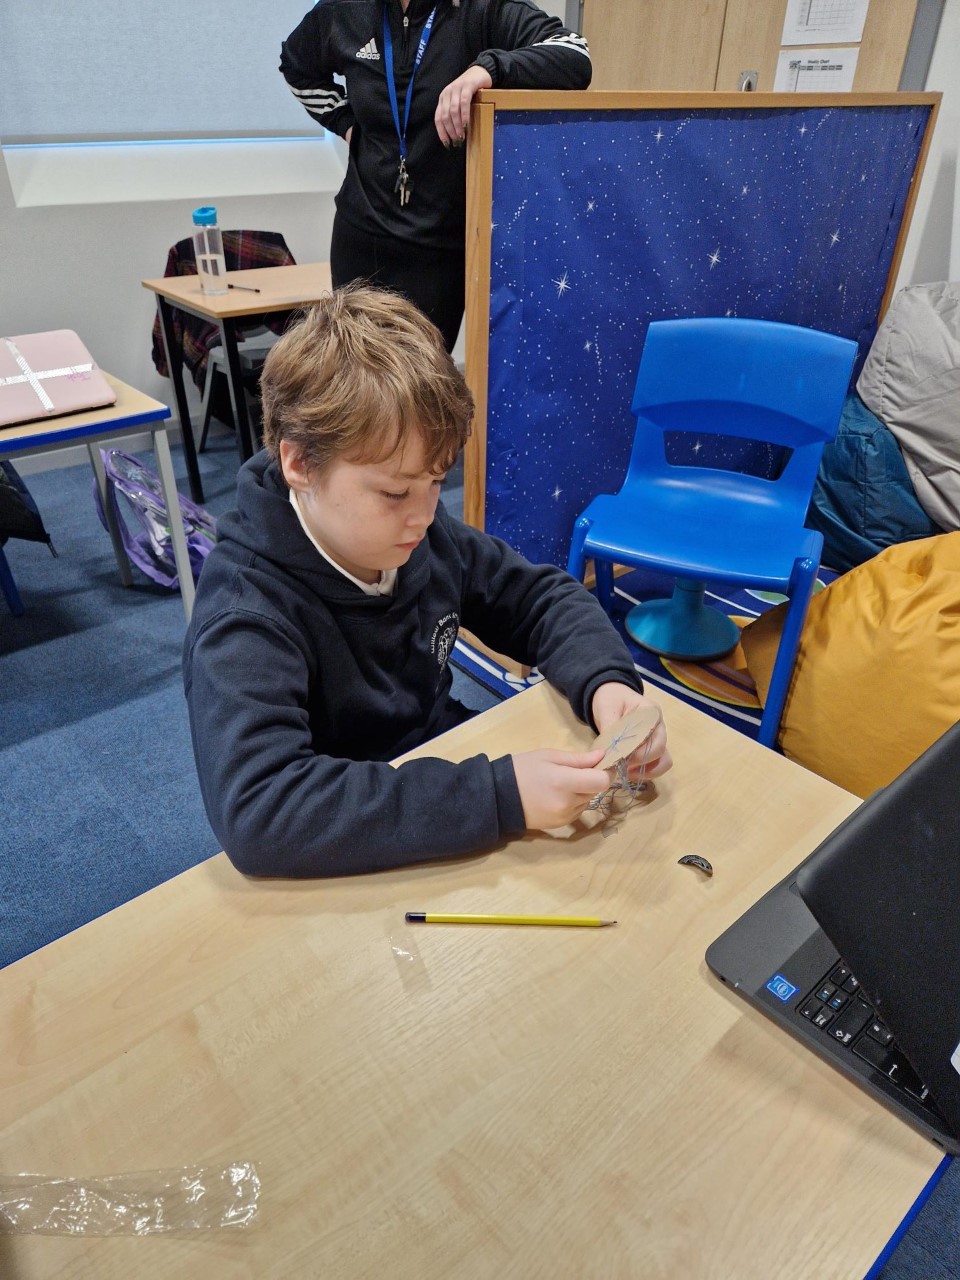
(205, 216)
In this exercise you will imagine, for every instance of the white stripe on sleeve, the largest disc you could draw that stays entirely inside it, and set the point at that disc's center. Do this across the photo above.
(319, 99)
(569, 41)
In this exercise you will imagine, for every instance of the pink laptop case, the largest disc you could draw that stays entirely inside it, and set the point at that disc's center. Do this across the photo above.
(46, 374)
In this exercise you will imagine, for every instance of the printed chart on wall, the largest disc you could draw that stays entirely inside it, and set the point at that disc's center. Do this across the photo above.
(829, 24)
(815, 70)
(824, 21)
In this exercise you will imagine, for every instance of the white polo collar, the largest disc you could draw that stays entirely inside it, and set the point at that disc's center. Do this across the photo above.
(388, 577)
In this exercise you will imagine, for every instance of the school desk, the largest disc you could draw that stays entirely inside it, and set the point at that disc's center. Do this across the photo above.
(278, 289)
(132, 414)
(433, 1102)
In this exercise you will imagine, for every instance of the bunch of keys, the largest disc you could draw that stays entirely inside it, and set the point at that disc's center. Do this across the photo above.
(404, 184)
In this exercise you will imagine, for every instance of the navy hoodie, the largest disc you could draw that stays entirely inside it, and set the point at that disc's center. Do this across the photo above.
(301, 687)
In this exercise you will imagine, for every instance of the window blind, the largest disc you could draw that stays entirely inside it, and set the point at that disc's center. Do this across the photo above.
(126, 69)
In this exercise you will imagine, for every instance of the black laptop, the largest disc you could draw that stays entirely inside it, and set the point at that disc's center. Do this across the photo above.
(857, 952)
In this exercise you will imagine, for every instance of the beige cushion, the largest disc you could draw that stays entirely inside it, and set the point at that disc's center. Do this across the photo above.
(911, 381)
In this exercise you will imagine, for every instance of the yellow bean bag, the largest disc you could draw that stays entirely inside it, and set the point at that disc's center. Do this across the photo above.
(877, 677)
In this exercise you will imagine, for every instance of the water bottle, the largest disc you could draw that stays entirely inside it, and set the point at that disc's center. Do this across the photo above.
(208, 246)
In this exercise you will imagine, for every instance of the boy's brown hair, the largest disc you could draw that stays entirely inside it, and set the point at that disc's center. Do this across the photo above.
(362, 369)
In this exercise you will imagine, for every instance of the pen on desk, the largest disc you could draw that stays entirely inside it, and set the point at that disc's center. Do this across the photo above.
(433, 917)
(247, 288)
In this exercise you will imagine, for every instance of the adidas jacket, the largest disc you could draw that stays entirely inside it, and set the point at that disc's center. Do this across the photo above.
(334, 65)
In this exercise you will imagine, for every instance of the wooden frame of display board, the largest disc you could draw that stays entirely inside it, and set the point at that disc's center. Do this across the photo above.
(505, 125)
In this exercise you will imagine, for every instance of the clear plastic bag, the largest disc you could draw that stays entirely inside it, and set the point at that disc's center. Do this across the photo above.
(151, 550)
(197, 1198)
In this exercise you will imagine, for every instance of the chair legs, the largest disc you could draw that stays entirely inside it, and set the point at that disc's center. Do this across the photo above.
(677, 626)
(215, 365)
(603, 571)
(799, 591)
(205, 409)
(577, 563)
(250, 364)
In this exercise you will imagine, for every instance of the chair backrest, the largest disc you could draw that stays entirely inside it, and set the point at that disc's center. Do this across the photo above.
(752, 379)
(242, 250)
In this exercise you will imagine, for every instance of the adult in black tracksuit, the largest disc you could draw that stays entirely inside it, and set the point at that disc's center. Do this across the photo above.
(417, 247)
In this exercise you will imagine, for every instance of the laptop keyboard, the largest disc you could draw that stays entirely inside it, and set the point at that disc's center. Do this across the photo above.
(837, 1006)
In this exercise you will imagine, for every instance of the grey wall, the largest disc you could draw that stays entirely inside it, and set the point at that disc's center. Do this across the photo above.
(933, 246)
(79, 267)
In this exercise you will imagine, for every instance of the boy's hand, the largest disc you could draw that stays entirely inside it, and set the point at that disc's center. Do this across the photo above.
(610, 703)
(452, 115)
(556, 786)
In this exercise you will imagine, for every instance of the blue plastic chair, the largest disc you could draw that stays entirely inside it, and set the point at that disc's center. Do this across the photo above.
(750, 379)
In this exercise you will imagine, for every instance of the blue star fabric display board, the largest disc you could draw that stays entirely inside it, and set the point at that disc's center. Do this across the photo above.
(604, 220)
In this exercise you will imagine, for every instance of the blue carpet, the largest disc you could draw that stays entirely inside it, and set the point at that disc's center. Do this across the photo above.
(100, 800)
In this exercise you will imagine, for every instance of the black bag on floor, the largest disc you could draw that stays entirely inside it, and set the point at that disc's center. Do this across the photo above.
(19, 517)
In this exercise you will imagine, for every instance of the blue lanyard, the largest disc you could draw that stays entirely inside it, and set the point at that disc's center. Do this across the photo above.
(391, 82)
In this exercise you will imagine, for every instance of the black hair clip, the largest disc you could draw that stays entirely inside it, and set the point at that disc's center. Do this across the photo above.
(694, 860)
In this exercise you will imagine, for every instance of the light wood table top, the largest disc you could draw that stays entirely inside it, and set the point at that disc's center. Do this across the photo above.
(281, 289)
(132, 408)
(443, 1101)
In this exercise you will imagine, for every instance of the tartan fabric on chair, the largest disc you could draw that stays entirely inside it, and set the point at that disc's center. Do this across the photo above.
(242, 250)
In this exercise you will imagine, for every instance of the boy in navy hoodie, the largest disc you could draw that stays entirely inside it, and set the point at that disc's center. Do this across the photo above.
(326, 614)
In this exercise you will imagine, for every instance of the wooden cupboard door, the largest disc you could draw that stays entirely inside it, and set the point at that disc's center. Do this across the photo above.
(654, 44)
(751, 42)
(883, 49)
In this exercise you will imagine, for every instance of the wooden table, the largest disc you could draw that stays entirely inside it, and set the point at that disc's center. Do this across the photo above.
(132, 414)
(280, 289)
(440, 1102)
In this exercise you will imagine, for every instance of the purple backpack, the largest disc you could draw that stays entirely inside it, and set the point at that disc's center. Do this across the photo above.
(151, 549)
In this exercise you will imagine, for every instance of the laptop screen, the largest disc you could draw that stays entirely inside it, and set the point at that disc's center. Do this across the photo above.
(885, 889)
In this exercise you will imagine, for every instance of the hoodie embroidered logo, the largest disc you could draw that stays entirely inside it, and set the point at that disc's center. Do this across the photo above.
(444, 637)
(369, 52)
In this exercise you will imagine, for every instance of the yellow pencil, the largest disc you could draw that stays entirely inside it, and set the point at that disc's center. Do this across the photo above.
(432, 917)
